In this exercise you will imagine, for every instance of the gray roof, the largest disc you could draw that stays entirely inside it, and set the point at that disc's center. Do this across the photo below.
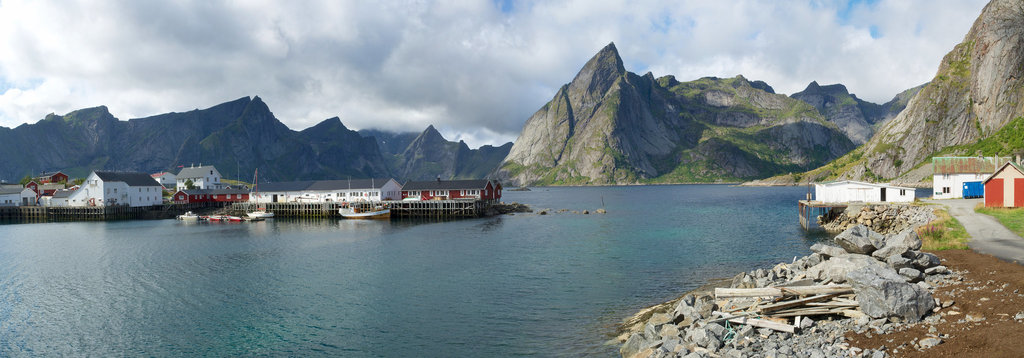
(63, 193)
(11, 190)
(195, 172)
(446, 184)
(130, 178)
(375, 183)
(285, 186)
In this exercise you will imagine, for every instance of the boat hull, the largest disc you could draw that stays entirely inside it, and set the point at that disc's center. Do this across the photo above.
(260, 215)
(376, 214)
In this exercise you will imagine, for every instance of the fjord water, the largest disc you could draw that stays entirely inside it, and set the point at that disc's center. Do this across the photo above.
(526, 284)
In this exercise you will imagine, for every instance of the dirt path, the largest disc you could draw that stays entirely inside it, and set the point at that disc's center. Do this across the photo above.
(980, 323)
(988, 236)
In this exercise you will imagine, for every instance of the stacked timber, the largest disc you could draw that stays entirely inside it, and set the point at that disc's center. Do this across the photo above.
(864, 280)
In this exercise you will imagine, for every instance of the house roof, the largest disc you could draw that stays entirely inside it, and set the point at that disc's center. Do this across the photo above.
(877, 185)
(5, 191)
(130, 178)
(63, 193)
(160, 174)
(51, 186)
(446, 184)
(1008, 164)
(964, 165)
(195, 172)
(284, 186)
(375, 183)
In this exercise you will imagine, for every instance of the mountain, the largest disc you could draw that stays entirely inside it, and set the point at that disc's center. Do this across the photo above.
(855, 117)
(973, 106)
(611, 126)
(390, 143)
(429, 155)
(236, 136)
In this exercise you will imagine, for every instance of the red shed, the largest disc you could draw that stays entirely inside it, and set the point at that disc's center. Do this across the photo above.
(210, 196)
(1005, 187)
(452, 190)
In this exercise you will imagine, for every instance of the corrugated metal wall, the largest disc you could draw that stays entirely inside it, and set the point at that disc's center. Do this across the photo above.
(964, 165)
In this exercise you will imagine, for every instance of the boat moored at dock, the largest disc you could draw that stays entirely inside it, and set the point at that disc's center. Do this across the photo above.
(357, 212)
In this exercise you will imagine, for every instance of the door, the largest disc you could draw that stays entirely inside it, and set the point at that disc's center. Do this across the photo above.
(883, 195)
(1018, 192)
(274, 199)
(994, 193)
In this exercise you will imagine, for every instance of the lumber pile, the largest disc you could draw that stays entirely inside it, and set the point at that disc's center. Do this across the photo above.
(774, 307)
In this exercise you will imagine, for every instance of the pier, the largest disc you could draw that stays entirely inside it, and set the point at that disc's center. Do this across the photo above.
(441, 209)
(810, 210)
(94, 213)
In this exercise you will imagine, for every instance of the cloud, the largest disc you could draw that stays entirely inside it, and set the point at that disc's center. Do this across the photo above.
(475, 69)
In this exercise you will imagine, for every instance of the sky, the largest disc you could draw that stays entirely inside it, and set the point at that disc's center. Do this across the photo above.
(475, 69)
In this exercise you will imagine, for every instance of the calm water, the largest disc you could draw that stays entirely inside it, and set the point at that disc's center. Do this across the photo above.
(552, 285)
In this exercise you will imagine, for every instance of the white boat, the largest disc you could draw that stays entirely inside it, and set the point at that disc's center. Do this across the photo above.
(224, 218)
(189, 216)
(361, 213)
(260, 213)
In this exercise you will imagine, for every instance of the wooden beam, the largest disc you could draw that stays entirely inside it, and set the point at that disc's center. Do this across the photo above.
(794, 303)
(781, 291)
(781, 327)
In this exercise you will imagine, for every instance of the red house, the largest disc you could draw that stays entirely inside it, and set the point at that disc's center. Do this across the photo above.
(210, 196)
(1005, 187)
(453, 190)
(47, 178)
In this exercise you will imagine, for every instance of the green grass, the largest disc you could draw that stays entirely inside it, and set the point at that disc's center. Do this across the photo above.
(1012, 219)
(943, 233)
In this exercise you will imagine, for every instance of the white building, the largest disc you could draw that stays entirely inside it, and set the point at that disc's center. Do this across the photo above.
(59, 198)
(950, 173)
(202, 177)
(328, 191)
(167, 180)
(117, 188)
(854, 191)
(17, 196)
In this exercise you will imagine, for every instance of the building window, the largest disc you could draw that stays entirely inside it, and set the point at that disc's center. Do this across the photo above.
(945, 190)
(903, 192)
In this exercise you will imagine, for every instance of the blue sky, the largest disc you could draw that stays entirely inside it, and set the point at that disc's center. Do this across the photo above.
(476, 69)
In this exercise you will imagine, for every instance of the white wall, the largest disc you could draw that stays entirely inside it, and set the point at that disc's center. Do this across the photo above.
(114, 193)
(12, 199)
(955, 183)
(856, 192)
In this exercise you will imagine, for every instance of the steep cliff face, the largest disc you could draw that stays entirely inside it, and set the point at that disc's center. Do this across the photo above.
(236, 136)
(975, 93)
(430, 156)
(610, 126)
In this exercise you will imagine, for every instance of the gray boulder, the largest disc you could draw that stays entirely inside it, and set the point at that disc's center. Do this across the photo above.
(892, 248)
(937, 270)
(906, 238)
(897, 262)
(858, 240)
(881, 293)
(633, 345)
(926, 260)
(837, 267)
(827, 250)
(912, 275)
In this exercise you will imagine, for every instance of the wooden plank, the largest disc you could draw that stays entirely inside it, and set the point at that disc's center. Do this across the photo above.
(781, 291)
(781, 327)
(794, 303)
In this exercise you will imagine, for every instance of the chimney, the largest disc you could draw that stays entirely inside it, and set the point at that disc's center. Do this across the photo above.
(439, 178)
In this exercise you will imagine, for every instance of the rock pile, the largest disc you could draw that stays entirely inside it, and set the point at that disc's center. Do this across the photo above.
(507, 208)
(884, 219)
(890, 280)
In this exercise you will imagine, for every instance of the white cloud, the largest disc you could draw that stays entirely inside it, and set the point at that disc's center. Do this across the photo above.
(475, 72)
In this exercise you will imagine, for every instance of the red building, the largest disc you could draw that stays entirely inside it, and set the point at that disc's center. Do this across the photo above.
(47, 178)
(453, 190)
(1005, 188)
(210, 196)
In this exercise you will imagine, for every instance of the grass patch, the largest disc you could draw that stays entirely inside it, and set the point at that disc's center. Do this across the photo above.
(943, 233)
(1011, 218)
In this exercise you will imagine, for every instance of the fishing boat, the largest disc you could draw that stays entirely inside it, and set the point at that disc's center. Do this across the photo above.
(189, 216)
(260, 213)
(354, 212)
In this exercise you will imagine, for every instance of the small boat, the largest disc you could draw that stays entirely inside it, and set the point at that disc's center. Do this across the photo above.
(189, 216)
(260, 213)
(360, 213)
(223, 218)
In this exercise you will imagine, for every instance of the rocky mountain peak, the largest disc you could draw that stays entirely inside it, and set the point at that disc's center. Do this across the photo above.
(598, 75)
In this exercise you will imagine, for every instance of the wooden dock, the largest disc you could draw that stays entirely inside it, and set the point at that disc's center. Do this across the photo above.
(31, 214)
(440, 209)
(810, 210)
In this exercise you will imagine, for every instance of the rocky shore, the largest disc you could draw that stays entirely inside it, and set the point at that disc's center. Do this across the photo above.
(884, 219)
(864, 282)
